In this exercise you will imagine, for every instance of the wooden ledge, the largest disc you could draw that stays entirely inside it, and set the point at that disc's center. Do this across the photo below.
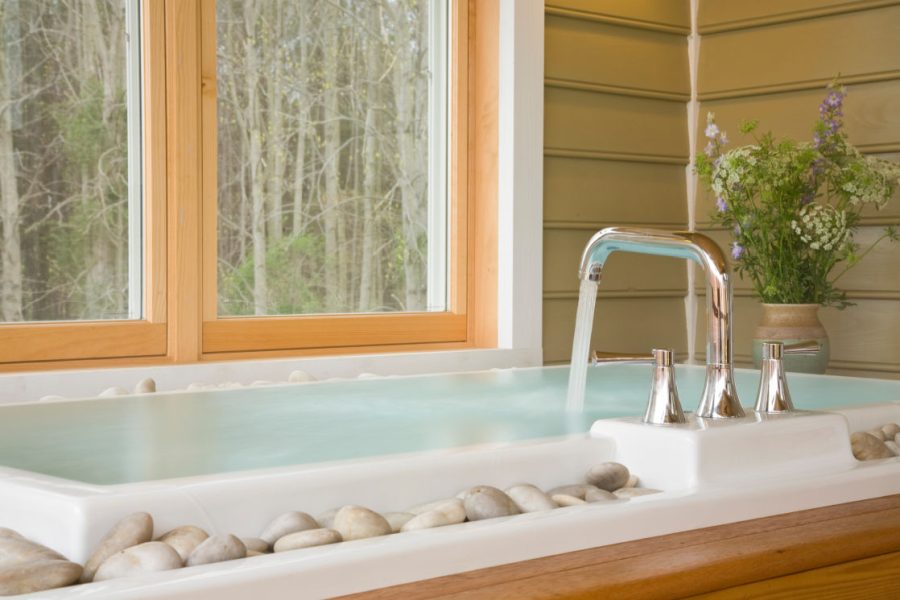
(690, 563)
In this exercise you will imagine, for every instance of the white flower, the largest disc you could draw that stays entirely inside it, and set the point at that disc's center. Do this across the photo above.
(822, 227)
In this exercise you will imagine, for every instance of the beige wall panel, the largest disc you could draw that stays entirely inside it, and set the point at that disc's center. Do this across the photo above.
(878, 273)
(850, 44)
(620, 325)
(663, 12)
(607, 123)
(872, 115)
(622, 272)
(611, 55)
(613, 192)
(717, 13)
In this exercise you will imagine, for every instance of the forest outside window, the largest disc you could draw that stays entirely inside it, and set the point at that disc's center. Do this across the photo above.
(332, 156)
(70, 161)
(190, 180)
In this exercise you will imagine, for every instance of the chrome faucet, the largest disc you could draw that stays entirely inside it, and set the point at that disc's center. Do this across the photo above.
(719, 399)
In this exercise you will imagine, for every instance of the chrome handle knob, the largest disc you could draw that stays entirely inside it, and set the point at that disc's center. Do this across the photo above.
(663, 407)
(773, 396)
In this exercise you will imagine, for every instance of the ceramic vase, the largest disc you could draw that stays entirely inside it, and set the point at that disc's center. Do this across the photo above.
(790, 323)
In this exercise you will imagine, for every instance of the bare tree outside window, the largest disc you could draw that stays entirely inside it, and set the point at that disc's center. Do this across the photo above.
(327, 124)
(64, 176)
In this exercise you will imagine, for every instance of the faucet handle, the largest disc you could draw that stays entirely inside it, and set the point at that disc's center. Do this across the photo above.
(806, 347)
(773, 396)
(600, 358)
(664, 407)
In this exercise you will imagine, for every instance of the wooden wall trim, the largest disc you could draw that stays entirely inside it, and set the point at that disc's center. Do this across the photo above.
(799, 15)
(560, 11)
(616, 156)
(686, 563)
(568, 84)
(796, 86)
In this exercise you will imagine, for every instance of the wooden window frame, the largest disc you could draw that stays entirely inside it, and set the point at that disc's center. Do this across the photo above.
(50, 345)
(181, 324)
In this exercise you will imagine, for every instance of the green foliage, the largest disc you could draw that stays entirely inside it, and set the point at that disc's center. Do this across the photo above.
(793, 207)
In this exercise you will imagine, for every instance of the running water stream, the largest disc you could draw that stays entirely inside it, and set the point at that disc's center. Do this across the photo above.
(584, 321)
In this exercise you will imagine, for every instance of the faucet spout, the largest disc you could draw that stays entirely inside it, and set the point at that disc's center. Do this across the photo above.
(720, 399)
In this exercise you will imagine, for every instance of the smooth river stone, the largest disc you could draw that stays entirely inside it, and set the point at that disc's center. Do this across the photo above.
(307, 539)
(398, 519)
(256, 544)
(113, 391)
(326, 519)
(144, 558)
(358, 522)
(893, 447)
(878, 432)
(529, 498)
(890, 431)
(252, 553)
(145, 386)
(6, 532)
(608, 476)
(132, 530)
(300, 377)
(566, 500)
(289, 522)
(427, 520)
(217, 548)
(866, 446)
(425, 507)
(634, 492)
(37, 576)
(599, 496)
(578, 490)
(486, 502)
(184, 539)
(18, 550)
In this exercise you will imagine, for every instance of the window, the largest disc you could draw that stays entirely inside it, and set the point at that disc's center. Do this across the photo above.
(70, 161)
(209, 179)
(331, 156)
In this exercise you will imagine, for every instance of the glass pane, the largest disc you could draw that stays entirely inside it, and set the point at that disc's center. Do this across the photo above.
(331, 156)
(68, 153)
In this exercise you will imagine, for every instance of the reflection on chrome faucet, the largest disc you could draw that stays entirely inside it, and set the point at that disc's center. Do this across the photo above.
(719, 399)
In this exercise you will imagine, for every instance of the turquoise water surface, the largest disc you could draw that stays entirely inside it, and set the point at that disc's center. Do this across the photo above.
(127, 439)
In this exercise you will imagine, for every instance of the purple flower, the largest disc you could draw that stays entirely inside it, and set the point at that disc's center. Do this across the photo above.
(807, 198)
(736, 250)
(710, 150)
(721, 205)
(712, 130)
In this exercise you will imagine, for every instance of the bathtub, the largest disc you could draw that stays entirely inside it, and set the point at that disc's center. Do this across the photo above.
(229, 461)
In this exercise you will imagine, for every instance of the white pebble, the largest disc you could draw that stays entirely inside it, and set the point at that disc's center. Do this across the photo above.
(143, 558)
(184, 539)
(51, 398)
(145, 386)
(307, 539)
(326, 519)
(894, 447)
(425, 507)
(398, 519)
(529, 498)
(16, 550)
(599, 496)
(449, 513)
(37, 576)
(567, 500)
(300, 377)
(486, 502)
(289, 522)
(113, 391)
(358, 522)
(217, 548)
(134, 529)
(634, 492)
(890, 431)
(579, 490)
(608, 476)
(254, 544)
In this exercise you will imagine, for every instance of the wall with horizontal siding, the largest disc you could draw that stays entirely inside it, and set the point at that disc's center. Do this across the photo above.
(771, 60)
(615, 152)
